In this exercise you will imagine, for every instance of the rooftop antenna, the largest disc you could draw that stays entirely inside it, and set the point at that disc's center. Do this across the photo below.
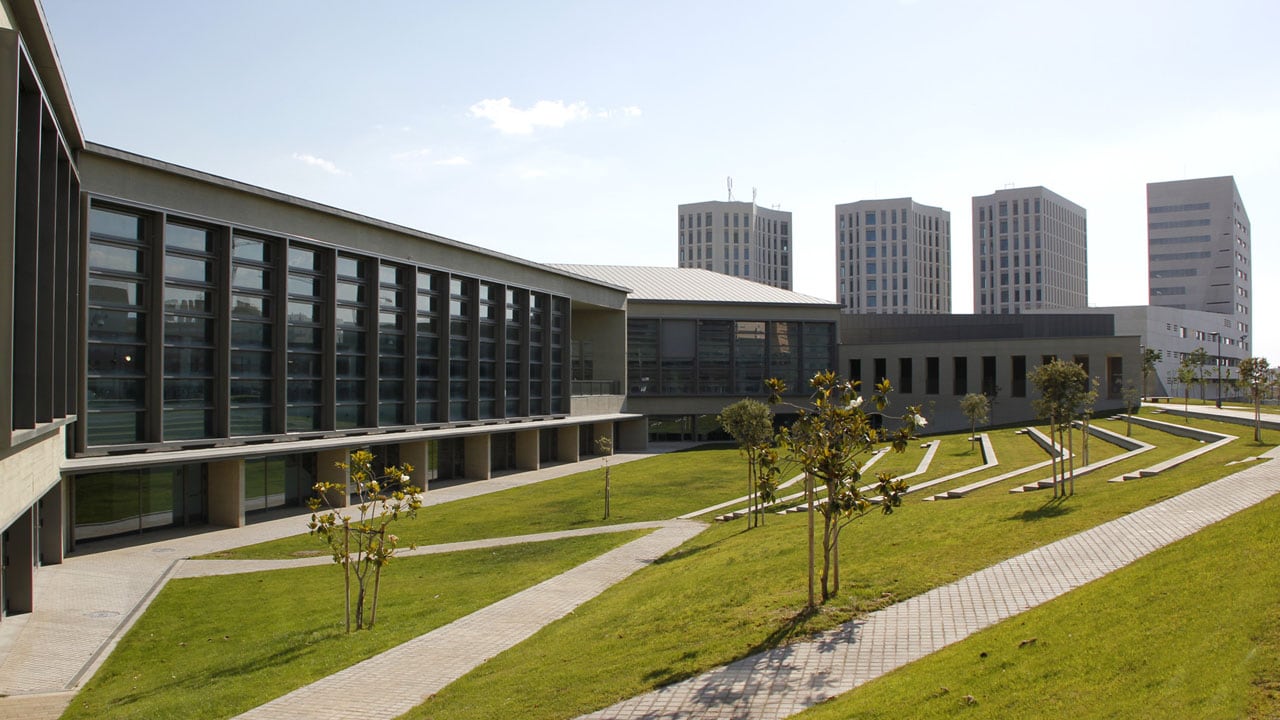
(753, 196)
(729, 182)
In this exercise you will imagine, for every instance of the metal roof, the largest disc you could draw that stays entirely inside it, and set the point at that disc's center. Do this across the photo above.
(692, 285)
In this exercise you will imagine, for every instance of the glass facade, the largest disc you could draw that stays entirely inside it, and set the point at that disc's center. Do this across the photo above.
(722, 357)
(130, 501)
(201, 302)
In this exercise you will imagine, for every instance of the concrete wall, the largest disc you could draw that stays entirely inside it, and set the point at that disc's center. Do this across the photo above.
(115, 173)
(28, 472)
(942, 409)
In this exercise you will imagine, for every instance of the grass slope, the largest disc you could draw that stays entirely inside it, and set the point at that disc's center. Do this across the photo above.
(214, 647)
(731, 592)
(1190, 631)
(656, 488)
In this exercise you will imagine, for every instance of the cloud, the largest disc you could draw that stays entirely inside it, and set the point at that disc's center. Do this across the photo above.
(455, 160)
(418, 154)
(511, 120)
(313, 161)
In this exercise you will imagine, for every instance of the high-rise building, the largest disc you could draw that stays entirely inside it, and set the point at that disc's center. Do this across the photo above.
(735, 238)
(1198, 251)
(1029, 252)
(893, 256)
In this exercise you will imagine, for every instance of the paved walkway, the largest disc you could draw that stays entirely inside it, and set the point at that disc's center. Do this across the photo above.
(789, 679)
(86, 603)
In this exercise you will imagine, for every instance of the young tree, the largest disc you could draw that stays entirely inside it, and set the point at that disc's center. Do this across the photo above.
(977, 408)
(605, 447)
(1064, 394)
(363, 546)
(1150, 356)
(1255, 375)
(1186, 376)
(1199, 358)
(750, 424)
(827, 439)
(1132, 399)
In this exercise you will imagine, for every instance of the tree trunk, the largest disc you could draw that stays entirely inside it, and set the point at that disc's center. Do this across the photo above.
(808, 491)
(1070, 448)
(835, 560)
(826, 556)
(346, 570)
(373, 604)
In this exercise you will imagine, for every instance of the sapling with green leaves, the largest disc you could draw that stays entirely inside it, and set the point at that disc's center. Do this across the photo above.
(827, 440)
(362, 545)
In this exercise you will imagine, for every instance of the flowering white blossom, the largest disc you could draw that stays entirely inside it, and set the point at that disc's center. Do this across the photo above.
(856, 402)
(919, 420)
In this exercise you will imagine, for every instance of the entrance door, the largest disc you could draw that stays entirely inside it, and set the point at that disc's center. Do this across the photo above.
(194, 492)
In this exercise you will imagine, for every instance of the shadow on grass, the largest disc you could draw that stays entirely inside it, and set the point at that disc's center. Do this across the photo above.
(791, 626)
(1054, 507)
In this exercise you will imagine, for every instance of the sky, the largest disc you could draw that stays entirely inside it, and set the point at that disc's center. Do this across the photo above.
(563, 131)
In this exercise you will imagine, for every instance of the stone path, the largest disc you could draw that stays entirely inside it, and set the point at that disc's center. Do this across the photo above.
(449, 652)
(786, 680)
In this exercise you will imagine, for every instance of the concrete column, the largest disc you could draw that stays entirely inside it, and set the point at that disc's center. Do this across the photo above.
(226, 493)
(527, 450)
(599, 430)
(567, 444)
(327, 471)
(418, 454)
(477, 465)
(633, 435)
(49, 529)
(18, 580)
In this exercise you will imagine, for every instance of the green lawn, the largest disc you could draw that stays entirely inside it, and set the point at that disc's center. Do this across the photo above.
(656, 488)
(214, 647)
(732, 592)
(1190, 631)
(725, 594)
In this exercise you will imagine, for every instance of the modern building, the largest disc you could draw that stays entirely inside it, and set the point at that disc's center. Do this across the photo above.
(1029, 252)
(735, 238)
(1198, 252)
(182, 349)
(697, 340)
(893, 256)
(933, 361)
(1176, 333)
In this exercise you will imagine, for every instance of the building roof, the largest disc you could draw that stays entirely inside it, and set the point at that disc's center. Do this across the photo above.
(689, 285)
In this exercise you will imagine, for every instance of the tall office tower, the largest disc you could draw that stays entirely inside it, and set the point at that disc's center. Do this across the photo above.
(1198, 250)
(737, 238)
(893, 256)
(1029, 252)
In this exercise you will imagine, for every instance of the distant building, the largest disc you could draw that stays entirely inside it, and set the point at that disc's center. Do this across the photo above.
(734, 238)
(1029, 252)
(893, 256)
(1198, 252)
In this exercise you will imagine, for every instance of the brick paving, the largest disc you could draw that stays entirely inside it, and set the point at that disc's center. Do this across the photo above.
(787, 680)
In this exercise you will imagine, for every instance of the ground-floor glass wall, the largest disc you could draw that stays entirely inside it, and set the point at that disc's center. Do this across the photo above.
(131, 501)
(277, 481)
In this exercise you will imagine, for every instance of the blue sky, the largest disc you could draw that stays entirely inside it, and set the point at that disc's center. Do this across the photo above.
(570, 131)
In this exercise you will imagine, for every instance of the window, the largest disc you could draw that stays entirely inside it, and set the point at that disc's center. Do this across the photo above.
(305, 339)
(960, 376)
(1018, 376)
(117, 328)
(252, 322)
(190, 322)
(904, 375)
(931, 373)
